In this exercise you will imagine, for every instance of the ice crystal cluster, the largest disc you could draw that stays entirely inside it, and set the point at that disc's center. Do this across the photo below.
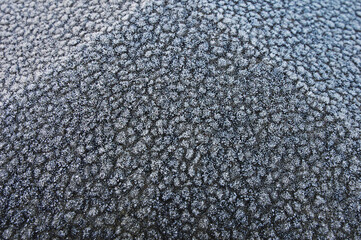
(199, 119)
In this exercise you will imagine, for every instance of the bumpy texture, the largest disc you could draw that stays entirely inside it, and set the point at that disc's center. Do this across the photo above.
(180, 119)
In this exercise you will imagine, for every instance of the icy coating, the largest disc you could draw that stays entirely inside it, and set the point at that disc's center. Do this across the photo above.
(180, 119)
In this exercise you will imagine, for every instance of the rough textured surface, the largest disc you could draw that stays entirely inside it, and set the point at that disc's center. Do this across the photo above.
(180, 119)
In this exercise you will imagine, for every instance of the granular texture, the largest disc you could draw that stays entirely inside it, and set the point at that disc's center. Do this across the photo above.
(180, 119)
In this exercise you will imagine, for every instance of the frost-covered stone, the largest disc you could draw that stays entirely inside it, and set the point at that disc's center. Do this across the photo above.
(180, 119)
